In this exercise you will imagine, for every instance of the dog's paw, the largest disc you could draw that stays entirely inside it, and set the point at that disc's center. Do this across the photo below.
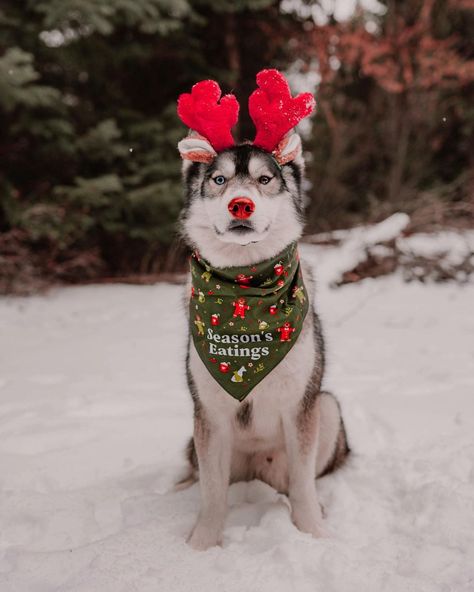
(309, 520)
(203, 538)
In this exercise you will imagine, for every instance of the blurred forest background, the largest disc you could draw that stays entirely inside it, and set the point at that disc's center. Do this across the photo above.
(89, 171)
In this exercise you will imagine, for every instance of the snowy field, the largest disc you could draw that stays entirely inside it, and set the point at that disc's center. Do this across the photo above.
(94, 416)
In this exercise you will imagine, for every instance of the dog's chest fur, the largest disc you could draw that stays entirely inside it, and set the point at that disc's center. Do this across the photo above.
(256, 422)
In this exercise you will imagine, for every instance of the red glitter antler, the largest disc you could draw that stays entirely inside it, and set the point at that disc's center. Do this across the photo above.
(202, 111)
(274, 111)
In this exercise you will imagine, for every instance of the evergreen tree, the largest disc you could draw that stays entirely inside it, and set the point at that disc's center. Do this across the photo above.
(90, 176)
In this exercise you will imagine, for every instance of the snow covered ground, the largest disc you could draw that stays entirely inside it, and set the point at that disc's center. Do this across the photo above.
(94, 416)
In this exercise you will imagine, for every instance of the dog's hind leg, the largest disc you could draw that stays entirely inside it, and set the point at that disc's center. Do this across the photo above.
(191, 475)
(333, 447)
(213, 448)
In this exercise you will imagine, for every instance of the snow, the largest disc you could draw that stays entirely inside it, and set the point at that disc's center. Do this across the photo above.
(449, 247)
(95, 416)
(453, 247)
(366, 236)
(355, 242)
(341, 10)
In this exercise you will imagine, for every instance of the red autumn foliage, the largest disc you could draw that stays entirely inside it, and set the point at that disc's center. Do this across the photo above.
(393, 88)
(401, 57)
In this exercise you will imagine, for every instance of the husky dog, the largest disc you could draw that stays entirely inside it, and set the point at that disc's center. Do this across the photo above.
(287, 431)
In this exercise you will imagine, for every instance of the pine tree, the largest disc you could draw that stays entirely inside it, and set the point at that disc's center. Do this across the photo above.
(90, 179)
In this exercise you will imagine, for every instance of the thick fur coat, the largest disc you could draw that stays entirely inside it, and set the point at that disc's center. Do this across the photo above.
(288, 431)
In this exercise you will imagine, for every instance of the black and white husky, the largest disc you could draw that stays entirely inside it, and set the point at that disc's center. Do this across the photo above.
(288, 431)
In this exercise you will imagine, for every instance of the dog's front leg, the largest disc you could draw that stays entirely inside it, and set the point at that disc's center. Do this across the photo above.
(213, 447)
(301, 438)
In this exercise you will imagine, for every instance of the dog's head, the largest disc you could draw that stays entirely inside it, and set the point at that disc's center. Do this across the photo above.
(244, 203)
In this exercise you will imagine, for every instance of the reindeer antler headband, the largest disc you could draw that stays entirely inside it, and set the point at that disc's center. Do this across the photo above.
(272, 108)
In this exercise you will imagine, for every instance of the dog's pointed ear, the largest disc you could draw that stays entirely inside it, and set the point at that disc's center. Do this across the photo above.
(289, 149)
(196, 148)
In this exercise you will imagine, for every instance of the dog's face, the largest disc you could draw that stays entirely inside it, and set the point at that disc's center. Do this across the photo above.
(242, 206)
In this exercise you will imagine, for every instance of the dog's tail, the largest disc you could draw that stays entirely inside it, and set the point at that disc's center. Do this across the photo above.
(188, 480)
(191, 475)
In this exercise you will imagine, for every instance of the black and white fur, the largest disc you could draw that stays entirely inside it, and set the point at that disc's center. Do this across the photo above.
(288, 431)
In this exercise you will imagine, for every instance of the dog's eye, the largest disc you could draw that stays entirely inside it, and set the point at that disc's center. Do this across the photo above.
(264, 180)
(219, 180)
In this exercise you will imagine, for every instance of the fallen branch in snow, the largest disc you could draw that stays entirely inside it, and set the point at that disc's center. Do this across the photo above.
(382, 249)
(412, 265)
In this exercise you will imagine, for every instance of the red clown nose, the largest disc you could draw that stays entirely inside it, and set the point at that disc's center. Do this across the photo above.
(241, 207)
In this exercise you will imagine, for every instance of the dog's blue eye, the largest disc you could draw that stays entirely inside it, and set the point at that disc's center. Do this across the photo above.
(219, 180)
(264, 179)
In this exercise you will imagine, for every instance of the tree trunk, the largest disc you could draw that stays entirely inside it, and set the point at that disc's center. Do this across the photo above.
(401, 128)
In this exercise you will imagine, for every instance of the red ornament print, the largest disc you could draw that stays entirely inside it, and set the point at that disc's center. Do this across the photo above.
(243, 280)
(278, 269)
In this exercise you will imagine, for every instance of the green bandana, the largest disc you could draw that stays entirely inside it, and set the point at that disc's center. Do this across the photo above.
(244, 320)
